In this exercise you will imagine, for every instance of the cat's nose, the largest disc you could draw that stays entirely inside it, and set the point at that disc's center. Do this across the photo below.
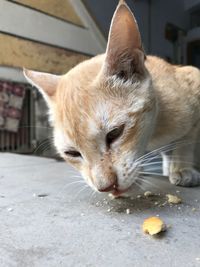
(109, 187)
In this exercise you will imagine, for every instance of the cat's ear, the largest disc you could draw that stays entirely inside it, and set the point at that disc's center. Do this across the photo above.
(124, 54)
(45, 82)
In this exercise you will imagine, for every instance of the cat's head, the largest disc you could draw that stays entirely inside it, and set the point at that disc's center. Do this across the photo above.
(103, 110)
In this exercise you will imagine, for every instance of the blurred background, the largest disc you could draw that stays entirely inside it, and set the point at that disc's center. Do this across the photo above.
(54, 35)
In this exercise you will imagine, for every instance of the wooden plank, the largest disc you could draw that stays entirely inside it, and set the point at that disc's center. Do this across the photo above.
(16, 52)
(58, 8)
(30, 24)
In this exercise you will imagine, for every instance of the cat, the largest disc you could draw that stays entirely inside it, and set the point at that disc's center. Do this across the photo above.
(109, 110)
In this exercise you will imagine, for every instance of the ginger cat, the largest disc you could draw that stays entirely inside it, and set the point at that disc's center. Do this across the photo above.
(109, 110)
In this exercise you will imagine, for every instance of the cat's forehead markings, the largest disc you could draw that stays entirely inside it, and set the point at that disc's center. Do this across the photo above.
(103, 112)
(107, 113)
(93, 127)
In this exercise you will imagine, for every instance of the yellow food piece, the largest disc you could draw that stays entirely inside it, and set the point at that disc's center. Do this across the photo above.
(148, 194)
(173, 199)
(153, 226)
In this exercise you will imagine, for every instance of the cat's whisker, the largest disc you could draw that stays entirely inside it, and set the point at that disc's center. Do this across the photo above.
(45, 148)
(72, 171)
(158, 162)
(166, 148)
(139, 185)
(153, 169)
(140, 161)
(151, 173)
(77, 176)
(153, 157)
(82, 190)
(79, 179)
(92, 195)
(45, 145)
(35, 126)
(45, 142)
(75, 183)
(182, 143)
(147, 155)
(149, 183)
(74, 174)
(67, 186)
(151, 163)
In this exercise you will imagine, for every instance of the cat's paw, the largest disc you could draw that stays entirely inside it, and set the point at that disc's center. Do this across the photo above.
(185, 177)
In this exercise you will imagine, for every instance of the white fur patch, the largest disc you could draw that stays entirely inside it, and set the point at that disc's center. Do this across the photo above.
(61, 141)
(118, 82)
(93, 128)
(137, 85)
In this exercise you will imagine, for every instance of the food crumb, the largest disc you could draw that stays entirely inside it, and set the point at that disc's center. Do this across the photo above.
(111, 196)
(148, 194)
(173, 199)
(163, 204)
(97, 204)
(153, 226)
(10, 209)
(105, 202)
(194, 209)
(156, 203)
(128, 211)
(139, 196)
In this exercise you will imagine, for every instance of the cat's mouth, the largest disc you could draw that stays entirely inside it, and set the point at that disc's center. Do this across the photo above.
(123, 192)
(117, 193)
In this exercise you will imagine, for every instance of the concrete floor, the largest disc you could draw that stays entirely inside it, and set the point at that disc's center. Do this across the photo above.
(45, 222)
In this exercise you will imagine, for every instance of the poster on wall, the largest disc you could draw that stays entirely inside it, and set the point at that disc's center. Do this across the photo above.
(11, 103)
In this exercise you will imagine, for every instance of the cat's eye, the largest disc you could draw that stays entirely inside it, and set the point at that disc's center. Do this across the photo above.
(113, 135)
(73, 154)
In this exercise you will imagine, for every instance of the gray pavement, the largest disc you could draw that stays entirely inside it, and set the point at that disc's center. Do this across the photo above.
(47, 221)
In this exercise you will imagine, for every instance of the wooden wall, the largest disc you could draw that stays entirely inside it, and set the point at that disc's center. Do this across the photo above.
(58, 8)
(17, 52)
(44, 35)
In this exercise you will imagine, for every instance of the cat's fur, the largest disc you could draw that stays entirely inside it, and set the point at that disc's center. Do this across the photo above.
(157, 104)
